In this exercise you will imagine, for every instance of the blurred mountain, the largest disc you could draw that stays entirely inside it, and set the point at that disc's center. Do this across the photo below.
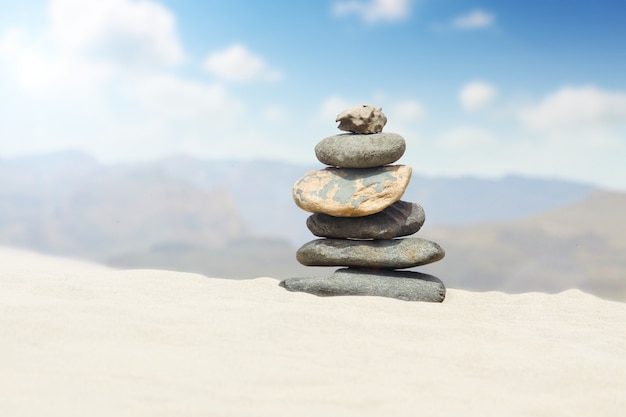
(257, 194)
(580, 246)
(262, 191)
(69, 204)
(236, 219)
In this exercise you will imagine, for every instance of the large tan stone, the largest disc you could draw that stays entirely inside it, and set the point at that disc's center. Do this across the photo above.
(345, 192)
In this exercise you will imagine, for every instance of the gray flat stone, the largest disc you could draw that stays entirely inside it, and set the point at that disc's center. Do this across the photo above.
(389, 253)
(399, 219)
(402, 285)
(346, 192)
(360, 151)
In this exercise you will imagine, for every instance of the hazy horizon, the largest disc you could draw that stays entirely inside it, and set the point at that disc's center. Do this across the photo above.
(312, 165)
(238, 220)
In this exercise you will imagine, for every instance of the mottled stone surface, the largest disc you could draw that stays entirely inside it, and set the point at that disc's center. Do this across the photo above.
(399, 219)
(403, 285)
(389, 253)
(362, 119)
(360, 151)
(347, 192)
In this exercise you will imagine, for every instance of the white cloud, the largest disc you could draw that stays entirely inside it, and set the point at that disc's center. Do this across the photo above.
(139, 33)
(477, 95)
(174, 98)
(476, 19)
(332, 106)
(236, 63)
(466, 139)
(407, 110)
(41, 72)
(374, 10)
(99, 77)
(10, 41)
(575, 108)
(89, 43)
(583, 155)
(574, 156)
(274, 114)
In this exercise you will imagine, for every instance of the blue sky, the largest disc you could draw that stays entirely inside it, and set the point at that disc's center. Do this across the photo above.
(486, 88)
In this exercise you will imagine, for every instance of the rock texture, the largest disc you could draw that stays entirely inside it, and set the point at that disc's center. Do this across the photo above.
(403, 285)
(358, 213)
(346, 192)
(360, 151)
(362, 119)
(399, 219)
(387, 253)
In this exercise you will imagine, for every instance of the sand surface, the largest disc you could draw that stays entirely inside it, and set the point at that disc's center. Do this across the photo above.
(78, 339)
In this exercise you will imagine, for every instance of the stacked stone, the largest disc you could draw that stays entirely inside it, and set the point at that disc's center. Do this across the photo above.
(358, 214)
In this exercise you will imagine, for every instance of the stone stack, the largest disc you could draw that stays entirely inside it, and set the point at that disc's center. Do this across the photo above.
(360, 218)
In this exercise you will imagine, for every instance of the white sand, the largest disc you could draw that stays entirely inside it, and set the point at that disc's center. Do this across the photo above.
(82, 340)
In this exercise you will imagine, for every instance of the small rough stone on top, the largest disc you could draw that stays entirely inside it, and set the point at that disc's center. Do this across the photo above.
(362, 119)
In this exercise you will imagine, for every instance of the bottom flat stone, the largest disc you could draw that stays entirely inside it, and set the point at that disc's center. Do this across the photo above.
(403, 285)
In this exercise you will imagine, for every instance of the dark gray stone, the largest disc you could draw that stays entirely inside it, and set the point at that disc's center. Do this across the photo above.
(388, 253)
(360, 151)
(403, 285)
(399, 219)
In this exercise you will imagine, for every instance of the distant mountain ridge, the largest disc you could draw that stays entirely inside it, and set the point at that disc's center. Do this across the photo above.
(237, 219)
(581, 246)
(261, 189)
(69, 204)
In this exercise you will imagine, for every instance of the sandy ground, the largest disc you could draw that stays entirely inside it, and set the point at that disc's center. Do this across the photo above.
(82, 340)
